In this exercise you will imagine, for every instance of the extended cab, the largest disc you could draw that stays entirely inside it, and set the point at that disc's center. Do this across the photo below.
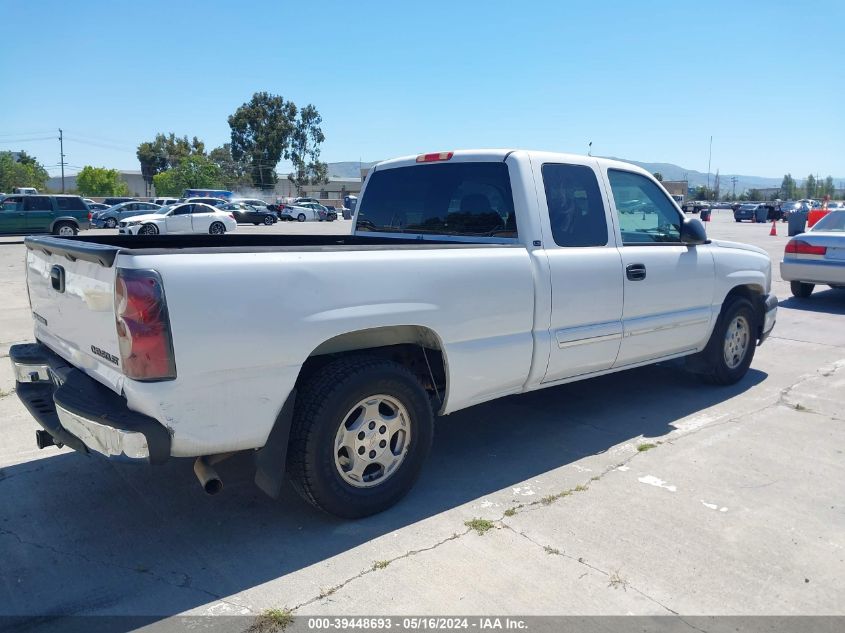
(472, 275)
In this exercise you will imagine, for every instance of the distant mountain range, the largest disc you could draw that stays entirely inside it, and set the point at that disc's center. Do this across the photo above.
(351, 169)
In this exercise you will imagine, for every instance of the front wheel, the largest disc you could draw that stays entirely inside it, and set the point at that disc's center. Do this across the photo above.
(65, 229)
(217, 228)
(268, 220)
(361, 430)
(300, 217)
(730, 350)
(800, 289)
(111, 223)
(148, 229)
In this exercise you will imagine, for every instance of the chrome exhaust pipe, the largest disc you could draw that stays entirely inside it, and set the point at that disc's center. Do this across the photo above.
(208, 477)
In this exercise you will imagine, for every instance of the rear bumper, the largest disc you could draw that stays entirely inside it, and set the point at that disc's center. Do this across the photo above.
(82, 414)
(817, 271)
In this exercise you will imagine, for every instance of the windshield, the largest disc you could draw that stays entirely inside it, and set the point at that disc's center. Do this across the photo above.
(833, 221)
(164, 210)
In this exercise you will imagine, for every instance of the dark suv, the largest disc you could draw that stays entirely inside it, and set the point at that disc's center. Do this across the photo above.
(60, 215)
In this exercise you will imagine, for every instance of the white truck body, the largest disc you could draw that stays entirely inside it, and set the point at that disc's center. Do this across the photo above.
(507, 313)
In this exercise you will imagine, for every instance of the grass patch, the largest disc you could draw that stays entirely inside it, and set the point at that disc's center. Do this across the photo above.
(479, 525)
(798, 406)
(551, 551)
(272, 620)
(510, 512)
(4, 393)
(595, 478)
(550, 499)
(380, 564)
(580, 488)
(642, 448)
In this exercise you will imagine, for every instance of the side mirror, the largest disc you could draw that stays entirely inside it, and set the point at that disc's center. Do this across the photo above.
(692, 232)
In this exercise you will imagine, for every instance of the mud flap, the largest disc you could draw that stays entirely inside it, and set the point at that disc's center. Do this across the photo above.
(270, 459)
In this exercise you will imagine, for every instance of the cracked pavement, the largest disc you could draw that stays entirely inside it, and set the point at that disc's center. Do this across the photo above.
(737, 509)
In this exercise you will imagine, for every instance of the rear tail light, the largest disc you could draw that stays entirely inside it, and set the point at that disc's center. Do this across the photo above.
(90, 215)
(800, 247)
(143, 326)
(433, 158)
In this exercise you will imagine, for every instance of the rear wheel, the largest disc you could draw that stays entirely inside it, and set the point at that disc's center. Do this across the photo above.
(361, 430)
(800, 289)
(148, 229)
(217, 228)
(730, 350)
(300, 217)
(111, 223)
(268, 220)
(65, 229)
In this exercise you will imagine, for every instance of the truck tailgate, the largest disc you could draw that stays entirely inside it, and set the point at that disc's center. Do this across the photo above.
(72, 298)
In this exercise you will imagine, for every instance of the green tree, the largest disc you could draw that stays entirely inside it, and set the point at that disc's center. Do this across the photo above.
(788, 188)
(25, 171)
(703, 193)
(754, 194)
(261, 132)
(658, 175)
(828, 187)
(305, 150)
(166, 152)
(810, 187)
(99, 181)
(234, 174)
(192, 172)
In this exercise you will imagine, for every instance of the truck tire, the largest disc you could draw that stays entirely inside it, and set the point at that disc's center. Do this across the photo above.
(65, 229)
(730, 350)
(800, 289)
(361, 430)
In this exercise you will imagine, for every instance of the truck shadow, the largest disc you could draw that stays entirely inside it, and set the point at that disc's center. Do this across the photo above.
(81, 535)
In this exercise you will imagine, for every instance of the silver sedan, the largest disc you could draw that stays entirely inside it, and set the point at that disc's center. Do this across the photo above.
(817, 256)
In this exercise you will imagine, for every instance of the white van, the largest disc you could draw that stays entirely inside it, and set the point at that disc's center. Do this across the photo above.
(28, 191)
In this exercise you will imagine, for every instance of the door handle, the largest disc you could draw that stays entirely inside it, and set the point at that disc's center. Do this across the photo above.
(635, 272)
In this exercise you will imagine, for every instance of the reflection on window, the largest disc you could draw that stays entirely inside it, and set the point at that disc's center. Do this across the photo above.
(576, 209)
(471, 199)
(646, 215)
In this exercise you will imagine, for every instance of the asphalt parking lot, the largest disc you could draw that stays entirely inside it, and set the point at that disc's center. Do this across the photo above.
(644, 492)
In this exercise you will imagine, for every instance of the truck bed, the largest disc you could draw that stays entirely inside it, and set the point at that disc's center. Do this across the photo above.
(104, 248)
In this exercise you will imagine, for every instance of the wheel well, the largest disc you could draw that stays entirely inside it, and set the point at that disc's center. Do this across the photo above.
(417, 348)
(754, 294)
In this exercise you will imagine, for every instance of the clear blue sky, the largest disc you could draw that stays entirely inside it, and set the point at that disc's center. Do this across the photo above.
(649, 81)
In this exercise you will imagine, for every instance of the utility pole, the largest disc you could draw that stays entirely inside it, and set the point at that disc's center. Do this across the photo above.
(709, 156)
(733, 182)
(62, 158)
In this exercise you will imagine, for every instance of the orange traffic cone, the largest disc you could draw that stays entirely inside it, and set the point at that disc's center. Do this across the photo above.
(774, 230)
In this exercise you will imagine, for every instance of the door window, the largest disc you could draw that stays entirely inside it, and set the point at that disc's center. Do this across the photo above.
(37, 203)
(12, 205)
(185, 209)
(646, 214)
(576, 209)
(70, 203)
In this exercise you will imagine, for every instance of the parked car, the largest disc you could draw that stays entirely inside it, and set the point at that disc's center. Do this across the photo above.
(214, 202)
(475, 264)
(117, 200)
(299, 213)
(694, 206)
(247, 214)
(112, 216)
(163, 202)
(26, 191)
(253, 202)
(323, 213)
(196, 218)
(35, 213)
(331, 213)
(299, 201)
(816, 256)
(96, 207)
(747, 211)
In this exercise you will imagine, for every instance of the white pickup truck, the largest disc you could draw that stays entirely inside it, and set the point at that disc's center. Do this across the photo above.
(469, 276)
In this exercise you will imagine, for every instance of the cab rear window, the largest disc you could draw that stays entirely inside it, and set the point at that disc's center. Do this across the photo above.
(461, 199)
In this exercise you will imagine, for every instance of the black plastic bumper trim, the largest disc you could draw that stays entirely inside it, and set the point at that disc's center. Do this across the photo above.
(82, 395)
